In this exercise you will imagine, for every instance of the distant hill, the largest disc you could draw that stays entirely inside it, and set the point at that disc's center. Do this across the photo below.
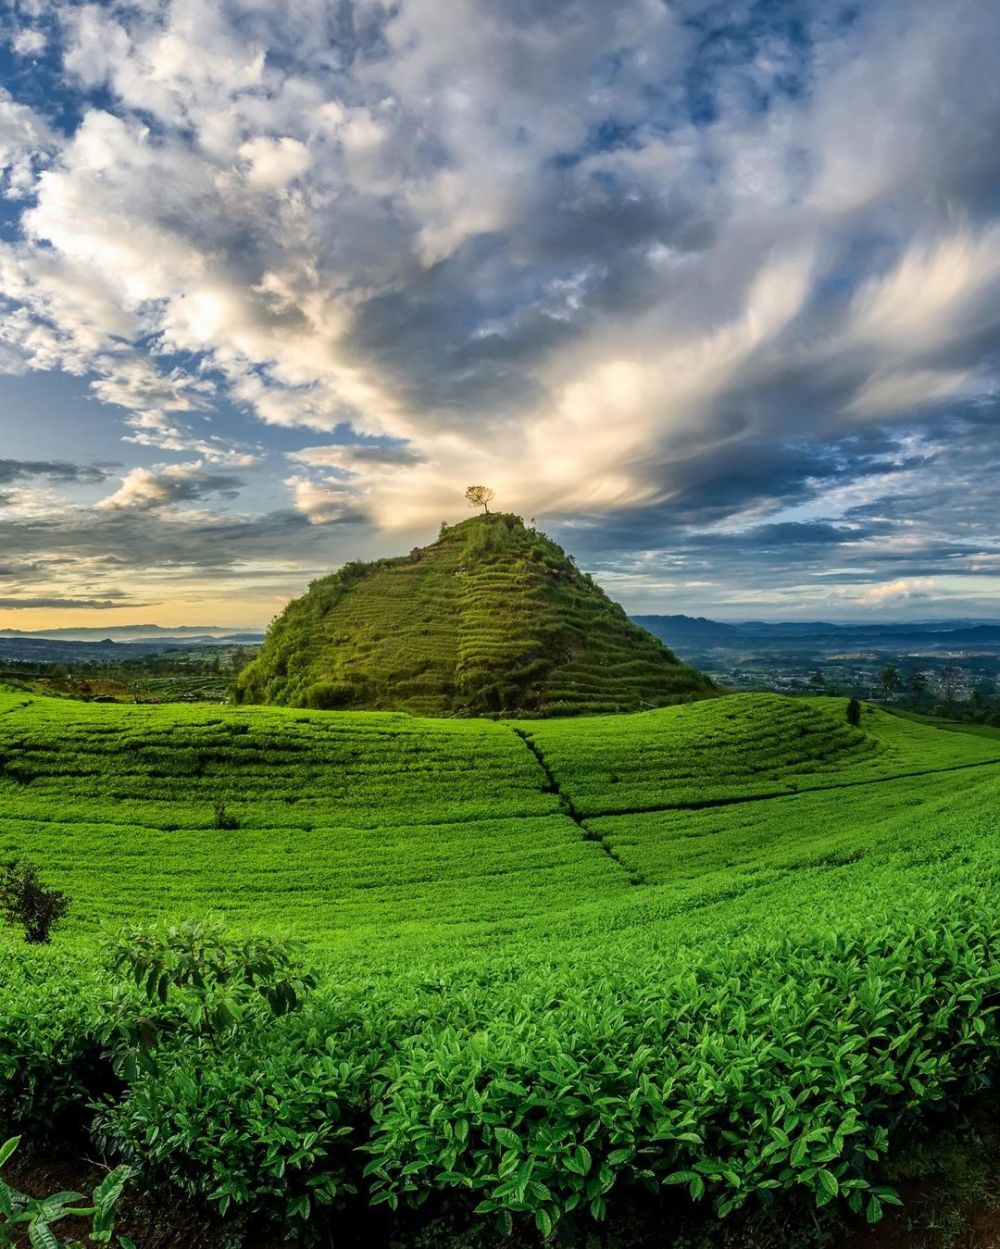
(937, 634)
(29, 648)
(492, 618)
(185, 634)
(679, 628)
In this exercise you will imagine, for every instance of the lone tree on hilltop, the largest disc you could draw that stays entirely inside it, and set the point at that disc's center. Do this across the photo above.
(25, 900)
(854, 712)
(480, 496)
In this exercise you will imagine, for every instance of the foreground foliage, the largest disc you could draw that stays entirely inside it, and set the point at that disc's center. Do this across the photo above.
(545, 1091)
(37, 1215)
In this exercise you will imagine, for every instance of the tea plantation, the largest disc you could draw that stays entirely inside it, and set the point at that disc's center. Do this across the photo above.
(724, 952)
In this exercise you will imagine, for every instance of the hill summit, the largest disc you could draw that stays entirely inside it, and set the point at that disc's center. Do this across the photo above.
(492, 618)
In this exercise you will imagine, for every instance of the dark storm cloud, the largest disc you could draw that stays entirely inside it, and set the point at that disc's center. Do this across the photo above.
(53, 470)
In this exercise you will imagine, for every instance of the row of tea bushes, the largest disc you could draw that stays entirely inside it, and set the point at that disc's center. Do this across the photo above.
(543, 1090)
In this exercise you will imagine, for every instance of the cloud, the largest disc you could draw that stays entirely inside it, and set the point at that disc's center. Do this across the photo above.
(273, 163)
(356, 456)
(54, 470)
(646, 269)
(91, 604)
(890, 592)
(144, 489)
(26, 143)
(28, 42)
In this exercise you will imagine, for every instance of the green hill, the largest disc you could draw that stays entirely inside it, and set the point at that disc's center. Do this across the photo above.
(493, 618)
(361, 827)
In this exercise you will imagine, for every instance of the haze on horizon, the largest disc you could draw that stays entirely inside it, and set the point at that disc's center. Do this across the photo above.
(710, 290)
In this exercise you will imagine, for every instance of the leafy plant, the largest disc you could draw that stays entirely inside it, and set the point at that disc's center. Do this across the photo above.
(25, 900)
(221, 818)
(202, 979)
(37, 1215)
(854, 712)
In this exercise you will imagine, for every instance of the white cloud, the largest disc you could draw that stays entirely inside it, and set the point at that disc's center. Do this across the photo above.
(322, 501)
(26, 143)
(499, 235)
(28, 42)
(273, 163)
(889, 593)
(144, 489)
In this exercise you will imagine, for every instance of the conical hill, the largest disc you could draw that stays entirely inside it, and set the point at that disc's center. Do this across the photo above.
(492, 618)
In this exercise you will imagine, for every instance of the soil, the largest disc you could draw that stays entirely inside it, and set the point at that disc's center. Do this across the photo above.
(930, 1217)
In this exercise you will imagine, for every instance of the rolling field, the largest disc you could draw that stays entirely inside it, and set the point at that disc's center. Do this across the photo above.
(355, 825)
(733, 945)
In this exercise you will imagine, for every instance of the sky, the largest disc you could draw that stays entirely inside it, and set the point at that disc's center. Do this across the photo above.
(709, 289)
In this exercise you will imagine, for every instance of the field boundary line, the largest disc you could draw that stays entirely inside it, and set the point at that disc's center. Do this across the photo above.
(568, 808)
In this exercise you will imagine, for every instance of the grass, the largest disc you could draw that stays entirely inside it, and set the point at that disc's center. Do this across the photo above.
(493, 618)
(744, 746)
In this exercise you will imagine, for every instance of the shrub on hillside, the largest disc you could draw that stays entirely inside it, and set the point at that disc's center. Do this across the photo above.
(26, 901)
(854, 712)
(330, 695)
(202, 980)
(221, 818)
(51, 1058)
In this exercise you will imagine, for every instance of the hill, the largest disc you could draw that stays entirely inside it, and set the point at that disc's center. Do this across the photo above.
(737, 941)
(936, 636)
(493, 618)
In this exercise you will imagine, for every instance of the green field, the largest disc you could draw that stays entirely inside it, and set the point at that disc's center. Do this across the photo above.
(354, 825)
(648, 949)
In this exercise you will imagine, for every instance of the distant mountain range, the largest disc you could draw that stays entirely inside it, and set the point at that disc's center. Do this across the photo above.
(186, 634)
(690, 635)
(939, 634)
(58, 646)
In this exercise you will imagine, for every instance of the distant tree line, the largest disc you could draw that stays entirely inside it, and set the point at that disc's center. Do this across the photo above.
(947, 690)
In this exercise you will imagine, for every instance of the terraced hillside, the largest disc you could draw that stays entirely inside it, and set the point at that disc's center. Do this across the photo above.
(492, 618)
(338, 824)
(742, 747)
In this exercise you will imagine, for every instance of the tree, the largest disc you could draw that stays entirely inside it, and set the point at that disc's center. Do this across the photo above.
(890, 681)
(854, 712)
(25, 900)
(916, 679)
(479, 496)
(949, 682)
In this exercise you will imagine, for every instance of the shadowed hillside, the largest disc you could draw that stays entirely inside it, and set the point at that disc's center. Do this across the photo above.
(492, 618)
